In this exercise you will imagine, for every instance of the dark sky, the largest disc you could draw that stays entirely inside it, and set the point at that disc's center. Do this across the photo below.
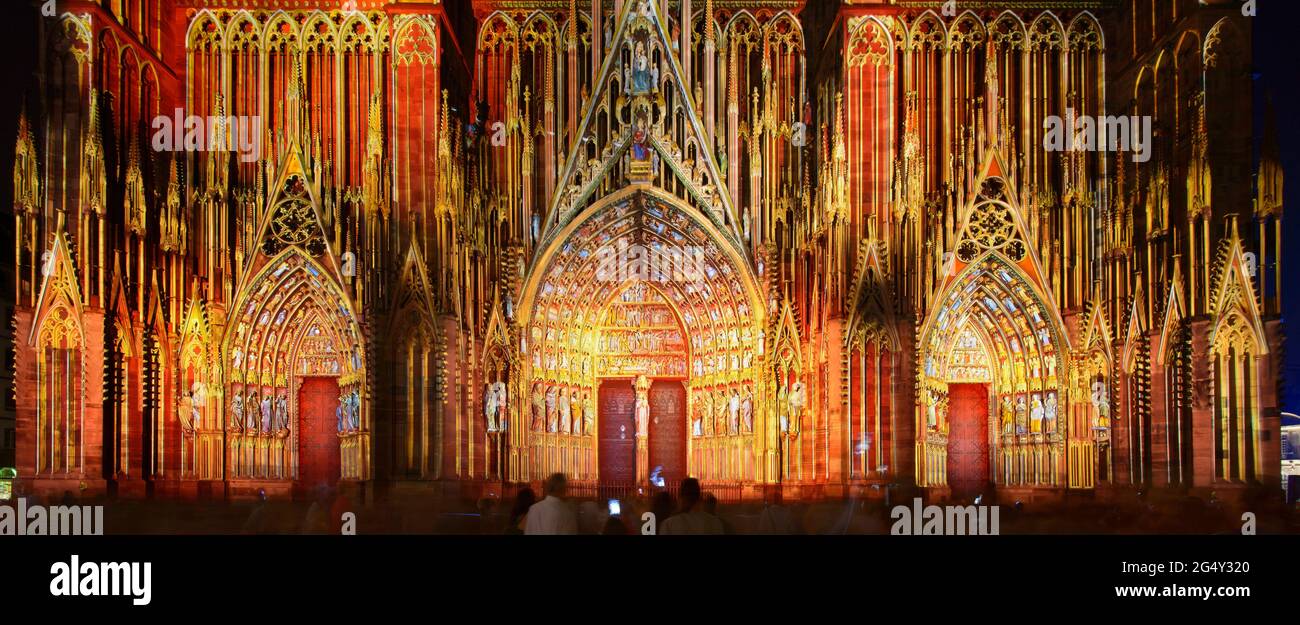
(1277, 78)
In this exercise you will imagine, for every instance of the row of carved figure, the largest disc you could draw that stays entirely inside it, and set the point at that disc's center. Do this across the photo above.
(723, 411)
(273, 410)
(562, 409)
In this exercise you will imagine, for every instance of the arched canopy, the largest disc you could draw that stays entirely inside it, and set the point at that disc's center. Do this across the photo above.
(994, 300)
(293, 318)
(639, 235)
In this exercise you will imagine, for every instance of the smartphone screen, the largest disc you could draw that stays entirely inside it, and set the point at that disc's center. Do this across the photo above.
(614, 508)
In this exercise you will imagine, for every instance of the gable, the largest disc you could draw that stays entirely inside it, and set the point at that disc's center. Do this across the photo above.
(641, 86)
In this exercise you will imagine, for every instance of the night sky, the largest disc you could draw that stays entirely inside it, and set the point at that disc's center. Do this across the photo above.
(1277, 77)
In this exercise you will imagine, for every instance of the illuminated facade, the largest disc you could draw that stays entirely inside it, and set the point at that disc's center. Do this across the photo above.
(816, 246)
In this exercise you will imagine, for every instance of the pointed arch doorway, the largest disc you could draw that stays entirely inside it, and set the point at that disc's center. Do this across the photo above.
(641, 299)
(993, 356)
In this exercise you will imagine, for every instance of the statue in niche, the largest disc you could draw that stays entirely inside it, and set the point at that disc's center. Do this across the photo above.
(798, 399)
(251, 424)
(783, 406)
(589, 413)
(490, 406)
(747, 411)
(645, 76)
(640, 140)
(237, 411)
(1036, 415)
(236, 358)
(566, 412)
(354, 410)
(552, 412)
(931, 408)
(733, 407)
(1021, 416)
(341, 414)
(575, 401)
(720, 412)
(183, 412)
(539, 407)
(1049, 414)
(705, 403)
(281, 413)
(1008, 416)
(1101, 401)
(642, 413)
(266, 413)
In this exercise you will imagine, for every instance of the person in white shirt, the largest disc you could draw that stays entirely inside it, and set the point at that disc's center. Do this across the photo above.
(692, 519)
(552, 516)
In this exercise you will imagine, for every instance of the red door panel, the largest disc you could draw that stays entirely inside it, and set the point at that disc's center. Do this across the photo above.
(617, 431)
(668, 429)
(968, 438)
(318, 441)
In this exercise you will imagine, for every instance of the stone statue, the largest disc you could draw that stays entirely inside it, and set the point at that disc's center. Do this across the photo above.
(338, 414)
(552, 415)
(539, 408)
(266, 413)
(931, 410)
(1036, 415)
(1008, 416)
(503, 405)
(566, 412)
(575, 403)
(783, 406)
(705, 402)
(642, 413)
(490, 406)
(798, 399)
(251, 424)
(183, 413)
(733, 407)
(281, 412)
(747, 411)
(198, 399)
(355, 413)
(588, 415)
(1021, 425)
(1049, 418)
(237, 411)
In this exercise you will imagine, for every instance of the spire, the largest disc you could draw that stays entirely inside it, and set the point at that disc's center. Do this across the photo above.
(1268, 192)
(94, 183)
(136, 209)
(27, 184)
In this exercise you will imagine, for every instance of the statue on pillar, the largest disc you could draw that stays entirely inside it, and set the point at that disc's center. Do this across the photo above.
(798, 399)
(237, 411)
(642, 406)
(539, 408)
(266, 413)
(575, 401)
(566, 412)
(490, 406)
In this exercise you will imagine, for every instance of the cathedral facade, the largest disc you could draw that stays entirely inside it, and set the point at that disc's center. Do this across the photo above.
(815, 247)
